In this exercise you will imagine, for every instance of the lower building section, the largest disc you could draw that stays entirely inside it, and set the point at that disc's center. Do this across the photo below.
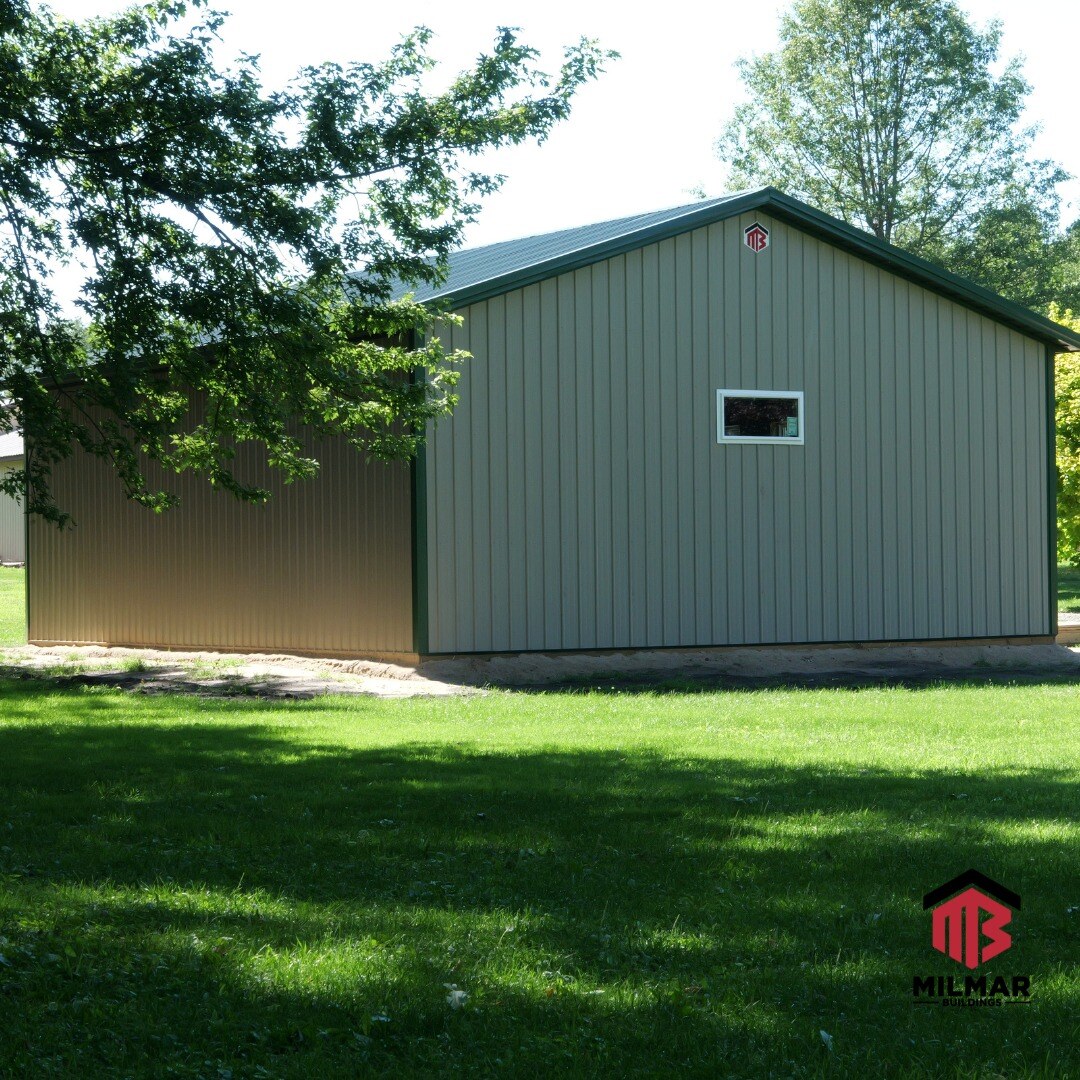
(324, 568)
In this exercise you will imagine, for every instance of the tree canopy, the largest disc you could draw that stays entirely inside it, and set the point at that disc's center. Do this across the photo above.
(893, 115)
(1067, 394)
(214, 225)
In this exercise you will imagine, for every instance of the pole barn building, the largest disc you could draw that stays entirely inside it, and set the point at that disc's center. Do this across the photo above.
(735, 422)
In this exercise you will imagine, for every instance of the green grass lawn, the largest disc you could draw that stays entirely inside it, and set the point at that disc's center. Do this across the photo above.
(12, 606)
(1069, 588)
(621, 884)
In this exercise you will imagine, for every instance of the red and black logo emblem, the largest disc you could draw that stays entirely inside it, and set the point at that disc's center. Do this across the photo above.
(756, 237)
(968, 909)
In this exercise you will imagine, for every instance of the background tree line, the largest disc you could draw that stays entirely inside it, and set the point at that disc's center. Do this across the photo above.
(899, 117)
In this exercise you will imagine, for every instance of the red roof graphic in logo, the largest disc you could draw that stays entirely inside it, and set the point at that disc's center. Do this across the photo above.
(968, 909)
(756, 237)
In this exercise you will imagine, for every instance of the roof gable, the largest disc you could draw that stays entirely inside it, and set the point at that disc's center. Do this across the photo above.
(477, 274)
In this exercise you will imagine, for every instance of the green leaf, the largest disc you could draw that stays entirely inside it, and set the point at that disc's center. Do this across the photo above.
(219, 223)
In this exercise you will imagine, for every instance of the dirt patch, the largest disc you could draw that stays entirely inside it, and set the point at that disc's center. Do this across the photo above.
(764, 666)
(218, 674)
(285, 676)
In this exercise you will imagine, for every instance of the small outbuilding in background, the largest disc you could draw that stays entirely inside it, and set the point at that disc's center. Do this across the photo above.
(735, 422)
(12, 519)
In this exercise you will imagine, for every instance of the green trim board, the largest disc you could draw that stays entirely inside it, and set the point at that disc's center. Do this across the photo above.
(26, 560)
(1051, 485)
(631, 233)
(419, 551)
(418, 527)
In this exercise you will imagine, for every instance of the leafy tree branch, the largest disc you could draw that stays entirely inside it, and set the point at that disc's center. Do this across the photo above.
(217, 226)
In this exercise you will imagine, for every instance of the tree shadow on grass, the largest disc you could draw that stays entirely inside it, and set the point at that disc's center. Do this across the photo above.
(659, 685)
(233, 899)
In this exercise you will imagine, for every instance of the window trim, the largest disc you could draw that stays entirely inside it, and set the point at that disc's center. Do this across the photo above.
(767, 440)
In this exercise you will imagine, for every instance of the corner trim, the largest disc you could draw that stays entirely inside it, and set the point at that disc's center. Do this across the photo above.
(26, 541)
(1051, 484)
(418, 521)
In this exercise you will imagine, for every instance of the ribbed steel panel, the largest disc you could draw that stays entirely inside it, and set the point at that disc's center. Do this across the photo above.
(12, 523)
(324, 568)
(578, 498)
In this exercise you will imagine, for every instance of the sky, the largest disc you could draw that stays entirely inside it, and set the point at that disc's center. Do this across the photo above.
(642, 136)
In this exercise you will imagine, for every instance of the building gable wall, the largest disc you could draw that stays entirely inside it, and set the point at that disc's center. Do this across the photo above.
(577, 498)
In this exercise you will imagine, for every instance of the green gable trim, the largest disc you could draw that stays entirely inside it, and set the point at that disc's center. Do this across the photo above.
(803, 217)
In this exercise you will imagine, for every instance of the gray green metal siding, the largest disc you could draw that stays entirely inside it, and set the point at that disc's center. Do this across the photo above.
(325, 567)
(12, 522)
(577, 498)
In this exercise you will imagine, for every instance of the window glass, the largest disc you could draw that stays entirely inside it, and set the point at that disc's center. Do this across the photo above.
(760, 415)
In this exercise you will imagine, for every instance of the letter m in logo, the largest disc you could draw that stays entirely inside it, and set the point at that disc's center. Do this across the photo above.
(967, 910)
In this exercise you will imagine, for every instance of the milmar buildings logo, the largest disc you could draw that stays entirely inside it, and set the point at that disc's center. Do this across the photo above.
(959, 925)
(970, 914)
(756, 237)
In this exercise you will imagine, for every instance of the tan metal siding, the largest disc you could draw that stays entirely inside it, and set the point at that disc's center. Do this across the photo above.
(581, 486)
(12, 523)
(325, 567)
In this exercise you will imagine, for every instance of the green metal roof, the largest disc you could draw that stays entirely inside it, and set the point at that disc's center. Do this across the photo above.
(473, 268)
(476, 274)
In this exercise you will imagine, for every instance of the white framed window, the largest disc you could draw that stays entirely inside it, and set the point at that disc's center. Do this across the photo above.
(760, 416)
